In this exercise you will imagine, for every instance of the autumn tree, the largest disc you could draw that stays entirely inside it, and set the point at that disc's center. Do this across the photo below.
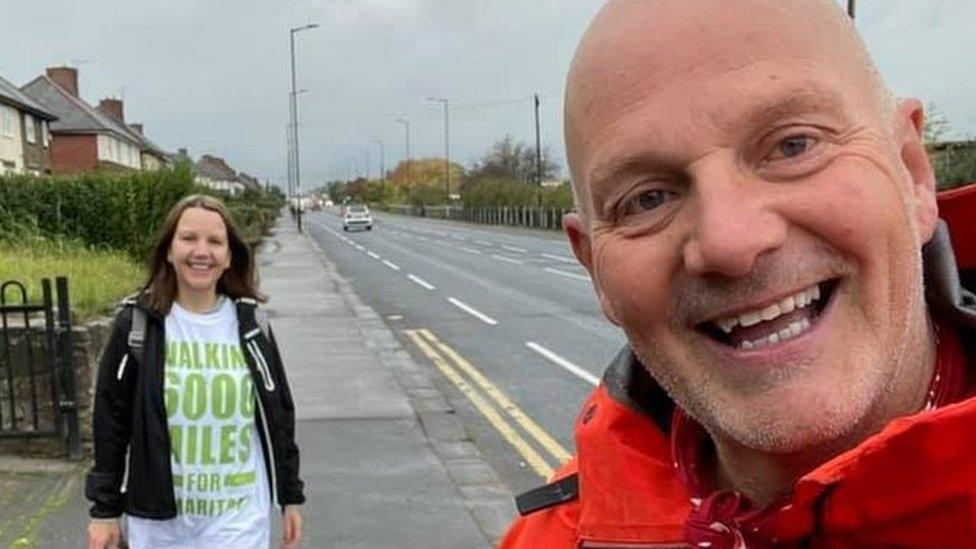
(426, 181)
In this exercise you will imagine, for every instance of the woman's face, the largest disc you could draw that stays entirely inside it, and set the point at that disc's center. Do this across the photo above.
(199, 252)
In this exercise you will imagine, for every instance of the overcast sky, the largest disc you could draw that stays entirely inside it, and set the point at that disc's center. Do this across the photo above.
(213, 75)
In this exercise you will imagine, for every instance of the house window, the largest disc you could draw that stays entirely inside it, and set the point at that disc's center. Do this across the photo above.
(30, 129)
(8, 121)
(46, 133)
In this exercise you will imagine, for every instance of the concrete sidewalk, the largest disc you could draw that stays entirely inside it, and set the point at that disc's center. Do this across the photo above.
(385, 461)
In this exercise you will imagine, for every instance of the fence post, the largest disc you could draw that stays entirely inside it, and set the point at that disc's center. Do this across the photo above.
(69, 402)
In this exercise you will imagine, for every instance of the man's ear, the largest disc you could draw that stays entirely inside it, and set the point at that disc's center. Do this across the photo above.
(576, 229)
(909, 128)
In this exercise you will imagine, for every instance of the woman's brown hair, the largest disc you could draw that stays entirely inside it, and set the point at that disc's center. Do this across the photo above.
(239, 280)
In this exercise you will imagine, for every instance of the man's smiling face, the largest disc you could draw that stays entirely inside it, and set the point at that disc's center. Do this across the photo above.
(752, 215)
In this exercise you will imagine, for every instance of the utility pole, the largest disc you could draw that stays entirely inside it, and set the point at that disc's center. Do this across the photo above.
(294, 119)
(406, 124)
(852, 8)
(447, 146)
(538, 153)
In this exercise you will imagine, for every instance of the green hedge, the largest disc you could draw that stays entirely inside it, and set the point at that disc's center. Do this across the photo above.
(114, 211)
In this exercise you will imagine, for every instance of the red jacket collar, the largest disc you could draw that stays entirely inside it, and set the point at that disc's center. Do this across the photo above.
(631, 492)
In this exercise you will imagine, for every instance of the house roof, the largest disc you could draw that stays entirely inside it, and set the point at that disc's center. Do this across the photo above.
(215, 168)
(11, 95)
(148, 145)
(74, 114)
(249, 181)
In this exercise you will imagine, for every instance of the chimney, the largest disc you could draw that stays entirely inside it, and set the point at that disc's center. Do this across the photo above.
(137, 128)
(65, 77)
(113, 108)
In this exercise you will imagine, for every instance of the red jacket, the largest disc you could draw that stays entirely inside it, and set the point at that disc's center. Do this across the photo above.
(911, 485)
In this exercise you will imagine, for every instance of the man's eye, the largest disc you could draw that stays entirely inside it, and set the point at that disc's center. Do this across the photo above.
(793, 147)
(647, 201)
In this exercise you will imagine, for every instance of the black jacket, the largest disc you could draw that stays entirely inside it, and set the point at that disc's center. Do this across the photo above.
(130, 428)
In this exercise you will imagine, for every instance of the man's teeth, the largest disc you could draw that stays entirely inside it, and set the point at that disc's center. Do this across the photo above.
(787, 305)
(794, 329)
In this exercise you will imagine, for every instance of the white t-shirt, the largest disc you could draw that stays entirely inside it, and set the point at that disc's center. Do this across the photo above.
(219, 480)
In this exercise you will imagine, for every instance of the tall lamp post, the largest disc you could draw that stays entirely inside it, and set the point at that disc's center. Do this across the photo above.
(406, 126)
(382, 160)
(447, 145)
(294, 118)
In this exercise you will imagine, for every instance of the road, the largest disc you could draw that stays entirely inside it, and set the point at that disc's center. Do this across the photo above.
(506, 316)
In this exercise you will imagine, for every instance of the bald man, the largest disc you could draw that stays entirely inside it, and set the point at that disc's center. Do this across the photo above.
(752, 206)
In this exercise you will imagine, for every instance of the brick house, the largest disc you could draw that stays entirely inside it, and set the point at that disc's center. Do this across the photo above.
(24, 133)
(151, 157)
(83, 139)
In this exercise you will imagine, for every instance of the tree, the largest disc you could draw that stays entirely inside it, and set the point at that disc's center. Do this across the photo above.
(509, 159)
(936, 124)
(954, 162)
(426, 181)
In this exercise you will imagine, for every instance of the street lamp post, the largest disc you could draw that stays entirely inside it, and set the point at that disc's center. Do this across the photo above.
(294, 118)
(406, 126)
(538, 155)
(382, 160)
(447, 145)
(291, 168)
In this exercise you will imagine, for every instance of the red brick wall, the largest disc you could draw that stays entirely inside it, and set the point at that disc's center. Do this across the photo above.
(74, 153)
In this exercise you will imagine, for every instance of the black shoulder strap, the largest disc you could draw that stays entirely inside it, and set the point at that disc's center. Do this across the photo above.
(563, 490)
(137, 334)
(249, 306)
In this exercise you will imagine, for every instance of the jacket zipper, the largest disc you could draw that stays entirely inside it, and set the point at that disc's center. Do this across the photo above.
(271, 458)
(262, 366)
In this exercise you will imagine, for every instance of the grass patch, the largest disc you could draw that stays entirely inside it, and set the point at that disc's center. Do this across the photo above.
(97, 279)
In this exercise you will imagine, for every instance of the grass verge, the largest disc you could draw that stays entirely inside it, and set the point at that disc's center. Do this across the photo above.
(97, 279)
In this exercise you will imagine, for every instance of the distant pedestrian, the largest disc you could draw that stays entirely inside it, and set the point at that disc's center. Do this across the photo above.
(194, 423)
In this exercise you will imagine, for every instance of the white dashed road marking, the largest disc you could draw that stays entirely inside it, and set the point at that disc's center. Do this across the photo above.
(372, 254)
(562, 362)
(421, 281)
(562, 258)
(514, 249)
(569, 275)
(507, 259)
(391, 265)
(473, 312)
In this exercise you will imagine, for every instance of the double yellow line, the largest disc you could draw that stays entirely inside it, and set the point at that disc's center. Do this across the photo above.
(451, 364)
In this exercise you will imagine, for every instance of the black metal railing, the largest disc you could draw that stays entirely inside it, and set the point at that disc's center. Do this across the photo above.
(37, 374)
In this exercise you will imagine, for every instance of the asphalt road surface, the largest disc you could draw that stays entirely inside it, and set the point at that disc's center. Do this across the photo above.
(505, 315)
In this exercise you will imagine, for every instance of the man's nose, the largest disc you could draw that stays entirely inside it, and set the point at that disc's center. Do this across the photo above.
(735, 223)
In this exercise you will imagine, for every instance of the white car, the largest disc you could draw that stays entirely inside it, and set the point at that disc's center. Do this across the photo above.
(357, 217)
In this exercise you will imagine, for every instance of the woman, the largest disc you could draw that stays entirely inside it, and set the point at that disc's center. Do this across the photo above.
(193, 419)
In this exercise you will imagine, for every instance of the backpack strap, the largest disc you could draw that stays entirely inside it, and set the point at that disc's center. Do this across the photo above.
(137, 334)
(260, 316)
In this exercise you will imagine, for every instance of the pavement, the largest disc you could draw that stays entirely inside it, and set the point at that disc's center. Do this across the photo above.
(385, 460)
